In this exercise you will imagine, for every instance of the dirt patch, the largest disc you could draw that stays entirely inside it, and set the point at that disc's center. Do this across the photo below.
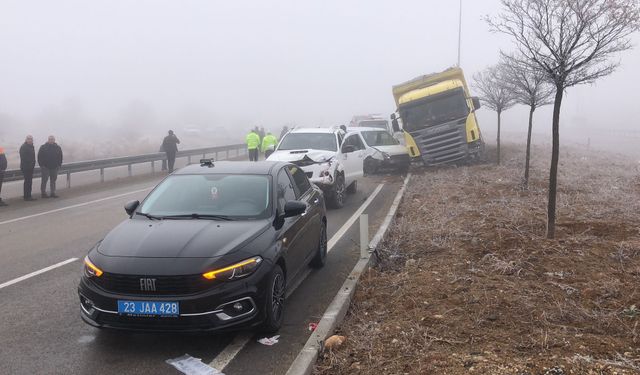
(467, 282)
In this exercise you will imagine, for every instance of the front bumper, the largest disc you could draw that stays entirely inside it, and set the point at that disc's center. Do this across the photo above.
(211, 310)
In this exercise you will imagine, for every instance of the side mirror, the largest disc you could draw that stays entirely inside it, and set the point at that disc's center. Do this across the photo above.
(393, 116)
(395, 125)
(348, 148)
(130, 207)
(294, 208)
(476, 102)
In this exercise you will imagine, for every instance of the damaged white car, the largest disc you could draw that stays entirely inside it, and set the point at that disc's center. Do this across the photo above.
(330, 158)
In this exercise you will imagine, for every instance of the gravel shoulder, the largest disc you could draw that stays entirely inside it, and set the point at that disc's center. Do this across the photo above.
(467, 283)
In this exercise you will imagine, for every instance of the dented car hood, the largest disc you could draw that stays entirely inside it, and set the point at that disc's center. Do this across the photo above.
(309, 156)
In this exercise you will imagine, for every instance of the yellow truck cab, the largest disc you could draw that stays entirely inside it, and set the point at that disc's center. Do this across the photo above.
(438, 118)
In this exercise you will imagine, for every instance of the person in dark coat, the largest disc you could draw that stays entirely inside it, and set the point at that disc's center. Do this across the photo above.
(50, 161)
(170, 147)
(27, 164)
(3, 167)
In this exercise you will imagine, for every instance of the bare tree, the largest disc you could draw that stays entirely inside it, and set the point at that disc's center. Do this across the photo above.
(531, 88)
(495, 92)
(571, 42)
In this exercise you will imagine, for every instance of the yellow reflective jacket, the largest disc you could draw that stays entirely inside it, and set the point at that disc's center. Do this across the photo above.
(269, 140)
(252, 140)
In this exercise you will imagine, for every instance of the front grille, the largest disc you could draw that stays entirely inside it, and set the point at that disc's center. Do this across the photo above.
(165, 285)
(441, 144)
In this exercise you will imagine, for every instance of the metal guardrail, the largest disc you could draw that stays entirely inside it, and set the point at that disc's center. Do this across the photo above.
(91, 165)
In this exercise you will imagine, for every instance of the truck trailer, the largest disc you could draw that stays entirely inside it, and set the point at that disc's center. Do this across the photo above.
(438, 118)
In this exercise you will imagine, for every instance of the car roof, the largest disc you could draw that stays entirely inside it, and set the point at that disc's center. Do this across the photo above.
(314, 130)
(233, 167)
(354, 129)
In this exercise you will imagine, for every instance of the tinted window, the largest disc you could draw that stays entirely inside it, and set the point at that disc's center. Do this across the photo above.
(238, 196)
(285, 190)
(378, 138)
(301, 180)
(304, 141)
(353, 140)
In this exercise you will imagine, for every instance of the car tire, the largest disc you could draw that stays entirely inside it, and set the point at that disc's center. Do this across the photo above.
(352, 188)
(274, 301)
(338, 192)
(320, 258)
(369, 166)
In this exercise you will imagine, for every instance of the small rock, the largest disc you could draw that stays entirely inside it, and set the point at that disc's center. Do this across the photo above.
(394, 341)
(438, 316)
(334, 342)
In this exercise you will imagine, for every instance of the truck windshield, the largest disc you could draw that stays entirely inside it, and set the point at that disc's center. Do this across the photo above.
(435, 111)
(305, 141)
(378, 138)
(380, 124)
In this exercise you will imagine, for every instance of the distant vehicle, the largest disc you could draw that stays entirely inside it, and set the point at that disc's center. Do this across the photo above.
(376, 121)
(438, 118)
(331, 159)
(212, 247)
(382, 151)
(191, 131)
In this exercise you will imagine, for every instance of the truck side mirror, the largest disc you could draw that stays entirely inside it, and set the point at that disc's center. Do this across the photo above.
(395, 126)
(476, 102)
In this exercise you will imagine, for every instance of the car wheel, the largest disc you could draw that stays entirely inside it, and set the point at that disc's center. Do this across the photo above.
(320, 258)
(337, 194)
(274, 305)
(352, 188)
(370, 166)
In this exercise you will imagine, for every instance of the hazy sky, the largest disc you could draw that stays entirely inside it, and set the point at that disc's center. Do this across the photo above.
(255, 62)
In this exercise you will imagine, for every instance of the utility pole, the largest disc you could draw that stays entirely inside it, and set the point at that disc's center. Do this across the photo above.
(459, 33)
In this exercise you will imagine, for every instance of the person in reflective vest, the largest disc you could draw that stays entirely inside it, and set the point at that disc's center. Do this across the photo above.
(253, 145)
(269, 143)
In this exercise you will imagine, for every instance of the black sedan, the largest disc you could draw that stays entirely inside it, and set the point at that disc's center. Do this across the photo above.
(212, 247)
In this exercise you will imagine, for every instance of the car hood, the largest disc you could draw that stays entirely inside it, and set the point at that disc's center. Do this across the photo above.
(179, 238)
(317, 156)
(393, 149)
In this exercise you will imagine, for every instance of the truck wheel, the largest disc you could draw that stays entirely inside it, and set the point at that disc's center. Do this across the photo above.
(352, 188)
(337, 193)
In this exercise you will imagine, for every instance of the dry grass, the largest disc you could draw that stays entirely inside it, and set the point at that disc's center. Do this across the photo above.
(467, 282)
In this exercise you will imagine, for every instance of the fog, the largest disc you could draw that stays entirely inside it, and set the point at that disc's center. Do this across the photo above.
(114, 76)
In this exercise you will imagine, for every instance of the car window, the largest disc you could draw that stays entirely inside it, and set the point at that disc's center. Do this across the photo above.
(379, 138)
(237, 196)
(353, 140)
(301, 180)
(315, 141)
(285, 190)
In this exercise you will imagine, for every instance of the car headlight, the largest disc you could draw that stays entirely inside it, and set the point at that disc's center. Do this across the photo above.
(90, 269)
(235, 271)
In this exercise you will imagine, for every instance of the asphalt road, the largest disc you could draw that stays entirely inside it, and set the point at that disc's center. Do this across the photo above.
(41, 330)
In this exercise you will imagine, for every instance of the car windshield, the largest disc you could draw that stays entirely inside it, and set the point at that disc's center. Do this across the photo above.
(435, 111)
(380, 124)
(378, 138)
(228, 196)
(303, 141)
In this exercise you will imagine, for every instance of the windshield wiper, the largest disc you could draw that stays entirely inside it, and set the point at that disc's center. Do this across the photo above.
(199, 216)
(149, 216)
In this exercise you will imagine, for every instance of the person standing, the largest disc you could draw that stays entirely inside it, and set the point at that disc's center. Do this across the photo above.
(50, 161)
(269, 143)
(253, 145)
(3, 167)
(27, 164)
(170, 147)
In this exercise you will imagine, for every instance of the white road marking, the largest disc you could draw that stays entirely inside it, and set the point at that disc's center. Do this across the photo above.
(72, 206)
(229, 353)
(356, 215)
(36, 273)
